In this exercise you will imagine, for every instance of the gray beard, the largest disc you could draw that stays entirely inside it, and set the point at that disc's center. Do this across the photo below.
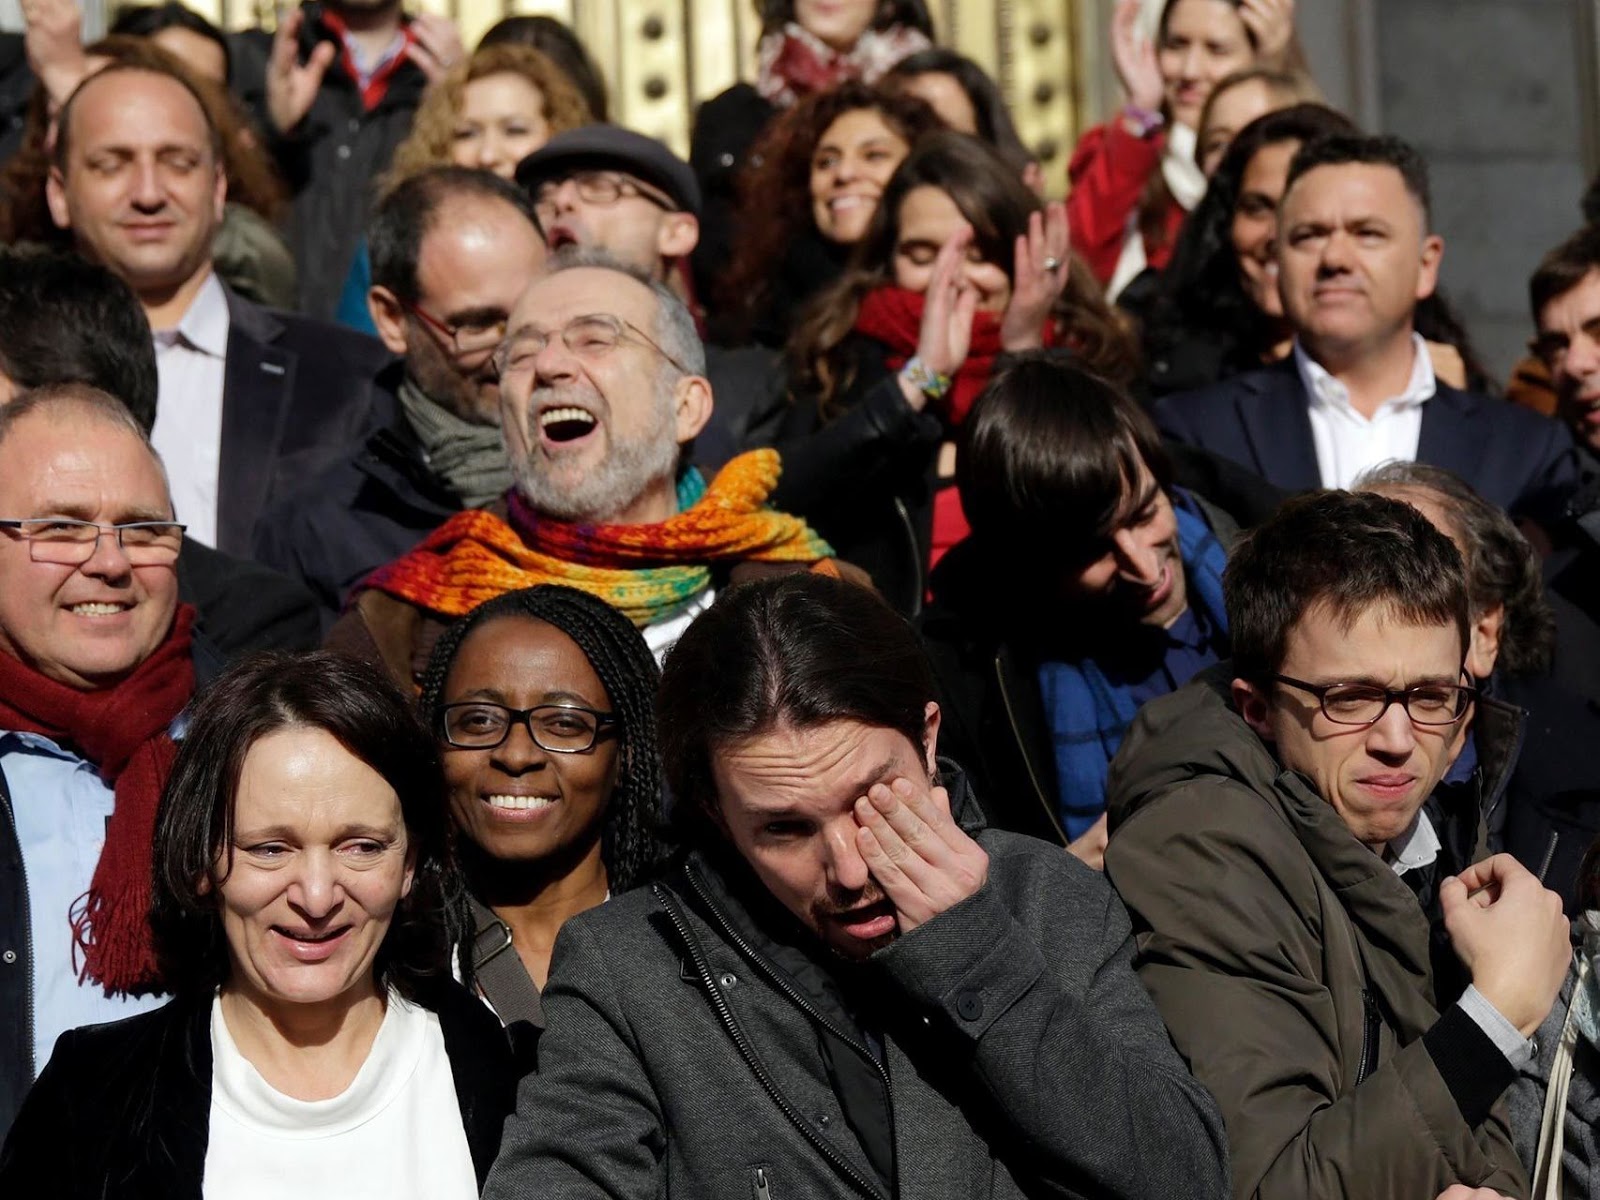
(630, 468)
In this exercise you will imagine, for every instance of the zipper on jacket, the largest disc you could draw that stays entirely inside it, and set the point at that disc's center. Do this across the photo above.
(920, 584)
(702, 969)
(27, 930)
(1549, 855)
(1369, 1036)
(759, 1186)
(1022, 749)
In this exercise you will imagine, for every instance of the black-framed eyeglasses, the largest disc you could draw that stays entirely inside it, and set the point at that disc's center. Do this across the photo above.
(558, 728)
(1365, 703)
(71, 543)
(466, 339)
(590, 336)
(598, 187)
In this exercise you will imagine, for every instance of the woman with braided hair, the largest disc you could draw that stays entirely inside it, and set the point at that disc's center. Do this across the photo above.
(542, 701)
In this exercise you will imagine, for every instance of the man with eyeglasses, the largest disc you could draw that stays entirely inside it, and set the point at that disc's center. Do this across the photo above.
(97, 659)
(1333, 954)
(249, 398)
(451, 250)
(602, 387)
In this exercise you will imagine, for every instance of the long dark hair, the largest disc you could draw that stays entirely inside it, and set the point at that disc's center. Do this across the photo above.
(997, 204)
(1201, 292)
(802, 649)
(995, 125)
(369, 716)
(630, 838)
(774, 187)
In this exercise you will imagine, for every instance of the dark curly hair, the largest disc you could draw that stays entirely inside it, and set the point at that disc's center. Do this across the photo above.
(358, 705)
(1502, 567)
(774, 188)
(631, 839)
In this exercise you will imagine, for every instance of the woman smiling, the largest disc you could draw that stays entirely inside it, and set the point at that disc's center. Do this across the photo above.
(315, 1045)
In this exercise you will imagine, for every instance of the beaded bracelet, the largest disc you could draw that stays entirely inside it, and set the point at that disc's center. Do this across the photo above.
(1144, 120)
(930, 383)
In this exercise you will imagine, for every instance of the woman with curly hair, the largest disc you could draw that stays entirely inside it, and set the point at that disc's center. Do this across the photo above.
(961, 265)
(542, 704)
(491, 111)
(808, 196)
(250, 253)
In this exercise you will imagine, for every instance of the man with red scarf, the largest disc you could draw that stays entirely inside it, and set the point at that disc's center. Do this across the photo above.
(602, 391)
(95, 665)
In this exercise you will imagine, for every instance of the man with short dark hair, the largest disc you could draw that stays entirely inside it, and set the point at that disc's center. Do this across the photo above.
(1333, 954)
(452, 250)
(602, 385)
(250, 399)
(847, 986)
(1564, 294)
(1355, 254)
(1088, 585)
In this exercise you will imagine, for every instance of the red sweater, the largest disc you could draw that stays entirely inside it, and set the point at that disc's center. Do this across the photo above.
(1108, 173)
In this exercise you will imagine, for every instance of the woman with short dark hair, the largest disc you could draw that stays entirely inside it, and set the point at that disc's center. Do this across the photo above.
(305, 902)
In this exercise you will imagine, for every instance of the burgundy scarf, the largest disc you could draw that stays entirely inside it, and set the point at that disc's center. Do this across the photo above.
(122, 730)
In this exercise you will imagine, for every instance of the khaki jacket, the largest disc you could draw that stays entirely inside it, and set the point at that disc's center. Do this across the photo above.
(1291, 965)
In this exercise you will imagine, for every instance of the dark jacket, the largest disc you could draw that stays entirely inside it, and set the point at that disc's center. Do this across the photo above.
(697, 1048)
(132, 1100)
(243, 606)
(368, 508)
(295, 391)
(987, 667)
(1295, 969)
(17, 1067)
(864, 477)
(1519, 460)
(16, 89)
(724, 128)
(330, 159)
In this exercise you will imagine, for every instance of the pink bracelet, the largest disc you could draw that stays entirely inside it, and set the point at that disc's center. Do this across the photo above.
(1146, 120)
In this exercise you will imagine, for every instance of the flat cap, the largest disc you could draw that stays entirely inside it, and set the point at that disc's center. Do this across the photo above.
(612, 148)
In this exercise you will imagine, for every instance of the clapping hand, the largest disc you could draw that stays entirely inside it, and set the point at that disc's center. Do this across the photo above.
(54, 44)
(437, 46)
(1271, 26)
(292, 85)
(1135, 57)
(1039, 274)
(922, 859)
(948, 308)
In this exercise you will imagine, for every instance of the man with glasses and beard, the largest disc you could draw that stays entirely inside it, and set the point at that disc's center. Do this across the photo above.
(1332, 951)
(452, 249)
(602, 387)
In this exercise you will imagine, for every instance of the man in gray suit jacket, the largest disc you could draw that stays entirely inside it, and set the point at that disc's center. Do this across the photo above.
(847, 986)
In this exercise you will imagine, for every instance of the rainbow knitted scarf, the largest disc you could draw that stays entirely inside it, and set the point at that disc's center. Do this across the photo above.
(648, 572)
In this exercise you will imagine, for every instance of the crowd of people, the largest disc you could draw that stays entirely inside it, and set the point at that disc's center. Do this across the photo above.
(531, 666)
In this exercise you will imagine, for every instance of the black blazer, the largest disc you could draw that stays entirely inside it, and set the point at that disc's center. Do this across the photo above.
(123, 1109)
(1510, 455)
(295, 393)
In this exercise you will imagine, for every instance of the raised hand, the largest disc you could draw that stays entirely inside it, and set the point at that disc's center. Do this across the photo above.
(1511, 934)
(1135, 58)
(437, 47)
(54, 45)
(292, 85)
(1271, 24)
(1038, 276)
(922, 859)
(949, 305)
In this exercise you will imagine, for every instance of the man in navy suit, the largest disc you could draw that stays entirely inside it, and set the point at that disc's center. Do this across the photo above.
(250, 399)
(1355, 256)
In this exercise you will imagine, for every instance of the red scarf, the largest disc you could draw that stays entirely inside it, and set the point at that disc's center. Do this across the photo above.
(893, 316)
(122, 730)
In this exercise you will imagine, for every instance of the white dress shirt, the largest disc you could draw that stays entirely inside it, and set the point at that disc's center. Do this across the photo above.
(191, 361)
(1348, 443)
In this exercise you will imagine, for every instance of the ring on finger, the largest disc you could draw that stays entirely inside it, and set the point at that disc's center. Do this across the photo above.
(1052, 263)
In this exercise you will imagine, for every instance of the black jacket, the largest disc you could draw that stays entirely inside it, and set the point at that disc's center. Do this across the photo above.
(123, 1109)
(295, 392)
(17, 1067)
(16, 89)
(367, 509)
(330, 159)
(243, 606)
(724, 127)
(1510, 455)
(698, 1046)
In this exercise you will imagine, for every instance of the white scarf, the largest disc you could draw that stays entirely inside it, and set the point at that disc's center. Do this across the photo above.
(1187, 183)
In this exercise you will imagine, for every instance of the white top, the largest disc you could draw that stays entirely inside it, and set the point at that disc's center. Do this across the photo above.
(664, 634)
(394, 1134)
(1348, 443)
(191, 361)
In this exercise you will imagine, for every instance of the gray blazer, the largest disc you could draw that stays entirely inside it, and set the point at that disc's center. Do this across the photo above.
(1020, 1053)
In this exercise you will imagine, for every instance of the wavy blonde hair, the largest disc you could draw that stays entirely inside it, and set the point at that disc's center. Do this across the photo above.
(433, 130)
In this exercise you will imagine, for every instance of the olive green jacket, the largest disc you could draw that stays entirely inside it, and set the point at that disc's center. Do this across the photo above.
(1291, 965)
